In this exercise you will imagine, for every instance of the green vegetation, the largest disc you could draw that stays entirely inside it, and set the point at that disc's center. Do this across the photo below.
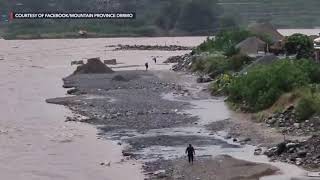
(224, 41)
(309, 101)
(263, 85)
(299, 44)
(216, 64)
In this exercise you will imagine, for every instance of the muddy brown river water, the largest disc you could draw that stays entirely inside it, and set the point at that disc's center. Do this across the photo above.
(36, 143)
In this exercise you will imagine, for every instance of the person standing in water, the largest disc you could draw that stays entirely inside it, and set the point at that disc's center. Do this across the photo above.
(155, 60)
(191, 152)
(147, 66)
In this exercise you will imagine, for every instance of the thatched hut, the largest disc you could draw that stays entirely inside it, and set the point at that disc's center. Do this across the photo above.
(251, 46)
(266, 29)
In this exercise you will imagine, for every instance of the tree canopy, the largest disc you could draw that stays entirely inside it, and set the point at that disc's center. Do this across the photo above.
(299, 44)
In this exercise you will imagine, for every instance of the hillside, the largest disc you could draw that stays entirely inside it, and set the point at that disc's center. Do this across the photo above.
(160, 18)
(283, 13)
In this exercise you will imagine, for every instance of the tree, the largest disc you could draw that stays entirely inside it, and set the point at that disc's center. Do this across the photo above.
(199, 16)
(299, 44)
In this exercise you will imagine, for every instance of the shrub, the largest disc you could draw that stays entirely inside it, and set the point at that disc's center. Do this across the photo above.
(231, 51)
(238, 61)
(305, 109)
(299, 44)
(220, 85)
(224, 41)
(212, 65)
(263, 85)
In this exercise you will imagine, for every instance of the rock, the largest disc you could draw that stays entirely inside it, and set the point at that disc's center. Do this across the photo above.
(291, 145)
(270, 152)
(160, 174)
(302, 154)
(72, 91)
(203, 79)
(258, 151)
(124, 153)
(297, 125)
(271, 121)
(298, 161)
(281, 148)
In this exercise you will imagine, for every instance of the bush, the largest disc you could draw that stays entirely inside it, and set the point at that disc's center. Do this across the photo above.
(238, 61)
(311, 68)
(220, 85)
(224, 41)
(212, 65)
(231, 51)
(305, 109)
(263, 85)
(299, 44)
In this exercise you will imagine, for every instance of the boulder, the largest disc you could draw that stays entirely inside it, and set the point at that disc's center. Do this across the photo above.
(72, 91)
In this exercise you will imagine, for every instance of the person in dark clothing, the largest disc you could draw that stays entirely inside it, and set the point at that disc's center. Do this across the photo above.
(155, 60)
(147, 66)
(191, 152)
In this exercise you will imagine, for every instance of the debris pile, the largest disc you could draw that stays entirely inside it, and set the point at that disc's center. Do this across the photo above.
(174, 59)
(93, 66)
(305, 153)
(149, 47)
(184, 63)
(288, 123)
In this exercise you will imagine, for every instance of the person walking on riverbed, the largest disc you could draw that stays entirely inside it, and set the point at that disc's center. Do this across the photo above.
(147, 66)
(191, 152)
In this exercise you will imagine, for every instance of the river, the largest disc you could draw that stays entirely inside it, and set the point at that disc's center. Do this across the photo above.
(35, 140)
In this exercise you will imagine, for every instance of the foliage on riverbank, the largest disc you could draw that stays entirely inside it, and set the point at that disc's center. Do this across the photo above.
(262, 86)
(216, 64)
(226, 41)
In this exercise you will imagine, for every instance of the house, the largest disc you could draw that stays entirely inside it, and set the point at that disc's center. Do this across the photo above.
(252, 46)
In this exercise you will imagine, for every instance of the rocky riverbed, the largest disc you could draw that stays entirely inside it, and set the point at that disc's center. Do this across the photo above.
(131, 107)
